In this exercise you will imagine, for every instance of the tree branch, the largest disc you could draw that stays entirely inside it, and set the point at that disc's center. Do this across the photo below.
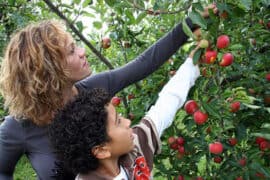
(79, 34)
(158, 12)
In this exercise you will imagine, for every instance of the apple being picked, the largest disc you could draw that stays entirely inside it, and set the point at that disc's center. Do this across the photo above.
(227, 59)
(223, 41)
(200, 117)
(216, 148)
(116, 101)
(106, 43)
(191, 106)
(203, 43)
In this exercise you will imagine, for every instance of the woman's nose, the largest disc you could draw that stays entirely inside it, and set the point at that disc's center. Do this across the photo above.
(81, 52)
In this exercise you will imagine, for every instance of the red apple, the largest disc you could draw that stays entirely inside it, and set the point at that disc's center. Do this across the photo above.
(266, 99)
(264, 145)
(242, 161)
(232, 141)
(216, 148)
(131, 96)
(180, 177)
(106, 43)
(208, 130)
(191, 106)
(116, 101)
(181, 149)
(210, 56)
(174, 146)
(180, 141)
(217, 159)
(200, 117)
(171, 140)
(235, 106)
(268, 25)
(227, 59)
(199, 178)
(239, 178)
(259, 140)
(223, 41)
(267, 76)
(223, 15)
(260, 175)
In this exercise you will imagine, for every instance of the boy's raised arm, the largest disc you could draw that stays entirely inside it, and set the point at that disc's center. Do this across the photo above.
(173, 95)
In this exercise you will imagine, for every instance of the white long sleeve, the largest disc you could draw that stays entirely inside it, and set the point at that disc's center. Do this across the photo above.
(173, 95)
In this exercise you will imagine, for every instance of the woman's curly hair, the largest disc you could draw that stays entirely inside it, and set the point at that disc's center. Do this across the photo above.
(33, 73)
(78, 127)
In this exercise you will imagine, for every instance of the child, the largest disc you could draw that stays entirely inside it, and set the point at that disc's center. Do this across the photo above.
(97, 143)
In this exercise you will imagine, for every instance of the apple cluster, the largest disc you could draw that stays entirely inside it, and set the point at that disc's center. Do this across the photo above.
(210, 56)
(177, 144)
(191, 107)
(264, 144)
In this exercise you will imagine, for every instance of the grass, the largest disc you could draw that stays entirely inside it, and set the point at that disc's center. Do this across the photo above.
(24, 170)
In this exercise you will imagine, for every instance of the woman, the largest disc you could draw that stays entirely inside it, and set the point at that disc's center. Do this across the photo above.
(42, 70)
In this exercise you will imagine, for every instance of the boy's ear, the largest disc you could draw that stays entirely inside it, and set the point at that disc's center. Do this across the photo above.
(101, 151)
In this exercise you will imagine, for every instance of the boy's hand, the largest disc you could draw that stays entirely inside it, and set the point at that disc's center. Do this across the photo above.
(191, 54)
(205, 13)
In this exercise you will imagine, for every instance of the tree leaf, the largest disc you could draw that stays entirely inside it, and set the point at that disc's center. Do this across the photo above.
(110, 2)
(197, 56)
(211, 110)
(140, 17)
(87, 3)
(198, 19)
(97, 24)
(187, 30)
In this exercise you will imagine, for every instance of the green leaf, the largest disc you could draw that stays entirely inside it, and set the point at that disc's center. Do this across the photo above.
(267, 126)
(211, 110)
(76, 1)
(11, 2)
(236, 47)
(79, 25)
(266, 136)
(87, 3)
(187, 30)
(140, 17)
(110, 2)
(130, 16)
(252, 106)
(197, 56)
(97, 24)
(246, 4)
(198, 19)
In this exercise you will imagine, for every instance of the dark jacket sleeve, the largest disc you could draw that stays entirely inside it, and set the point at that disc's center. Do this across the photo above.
(146, 63)
(11, 148)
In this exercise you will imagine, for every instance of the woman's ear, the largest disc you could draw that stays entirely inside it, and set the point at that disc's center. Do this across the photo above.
(101, 151)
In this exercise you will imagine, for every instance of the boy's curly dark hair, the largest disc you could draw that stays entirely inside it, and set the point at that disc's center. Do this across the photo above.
(78, 127)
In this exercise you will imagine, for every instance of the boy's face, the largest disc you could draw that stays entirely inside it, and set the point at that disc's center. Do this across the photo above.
(119, 131)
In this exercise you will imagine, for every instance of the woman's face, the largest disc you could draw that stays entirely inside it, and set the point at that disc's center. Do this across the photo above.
(77, 63)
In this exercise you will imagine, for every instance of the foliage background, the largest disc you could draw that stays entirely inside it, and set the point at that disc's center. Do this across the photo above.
(141, 23)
